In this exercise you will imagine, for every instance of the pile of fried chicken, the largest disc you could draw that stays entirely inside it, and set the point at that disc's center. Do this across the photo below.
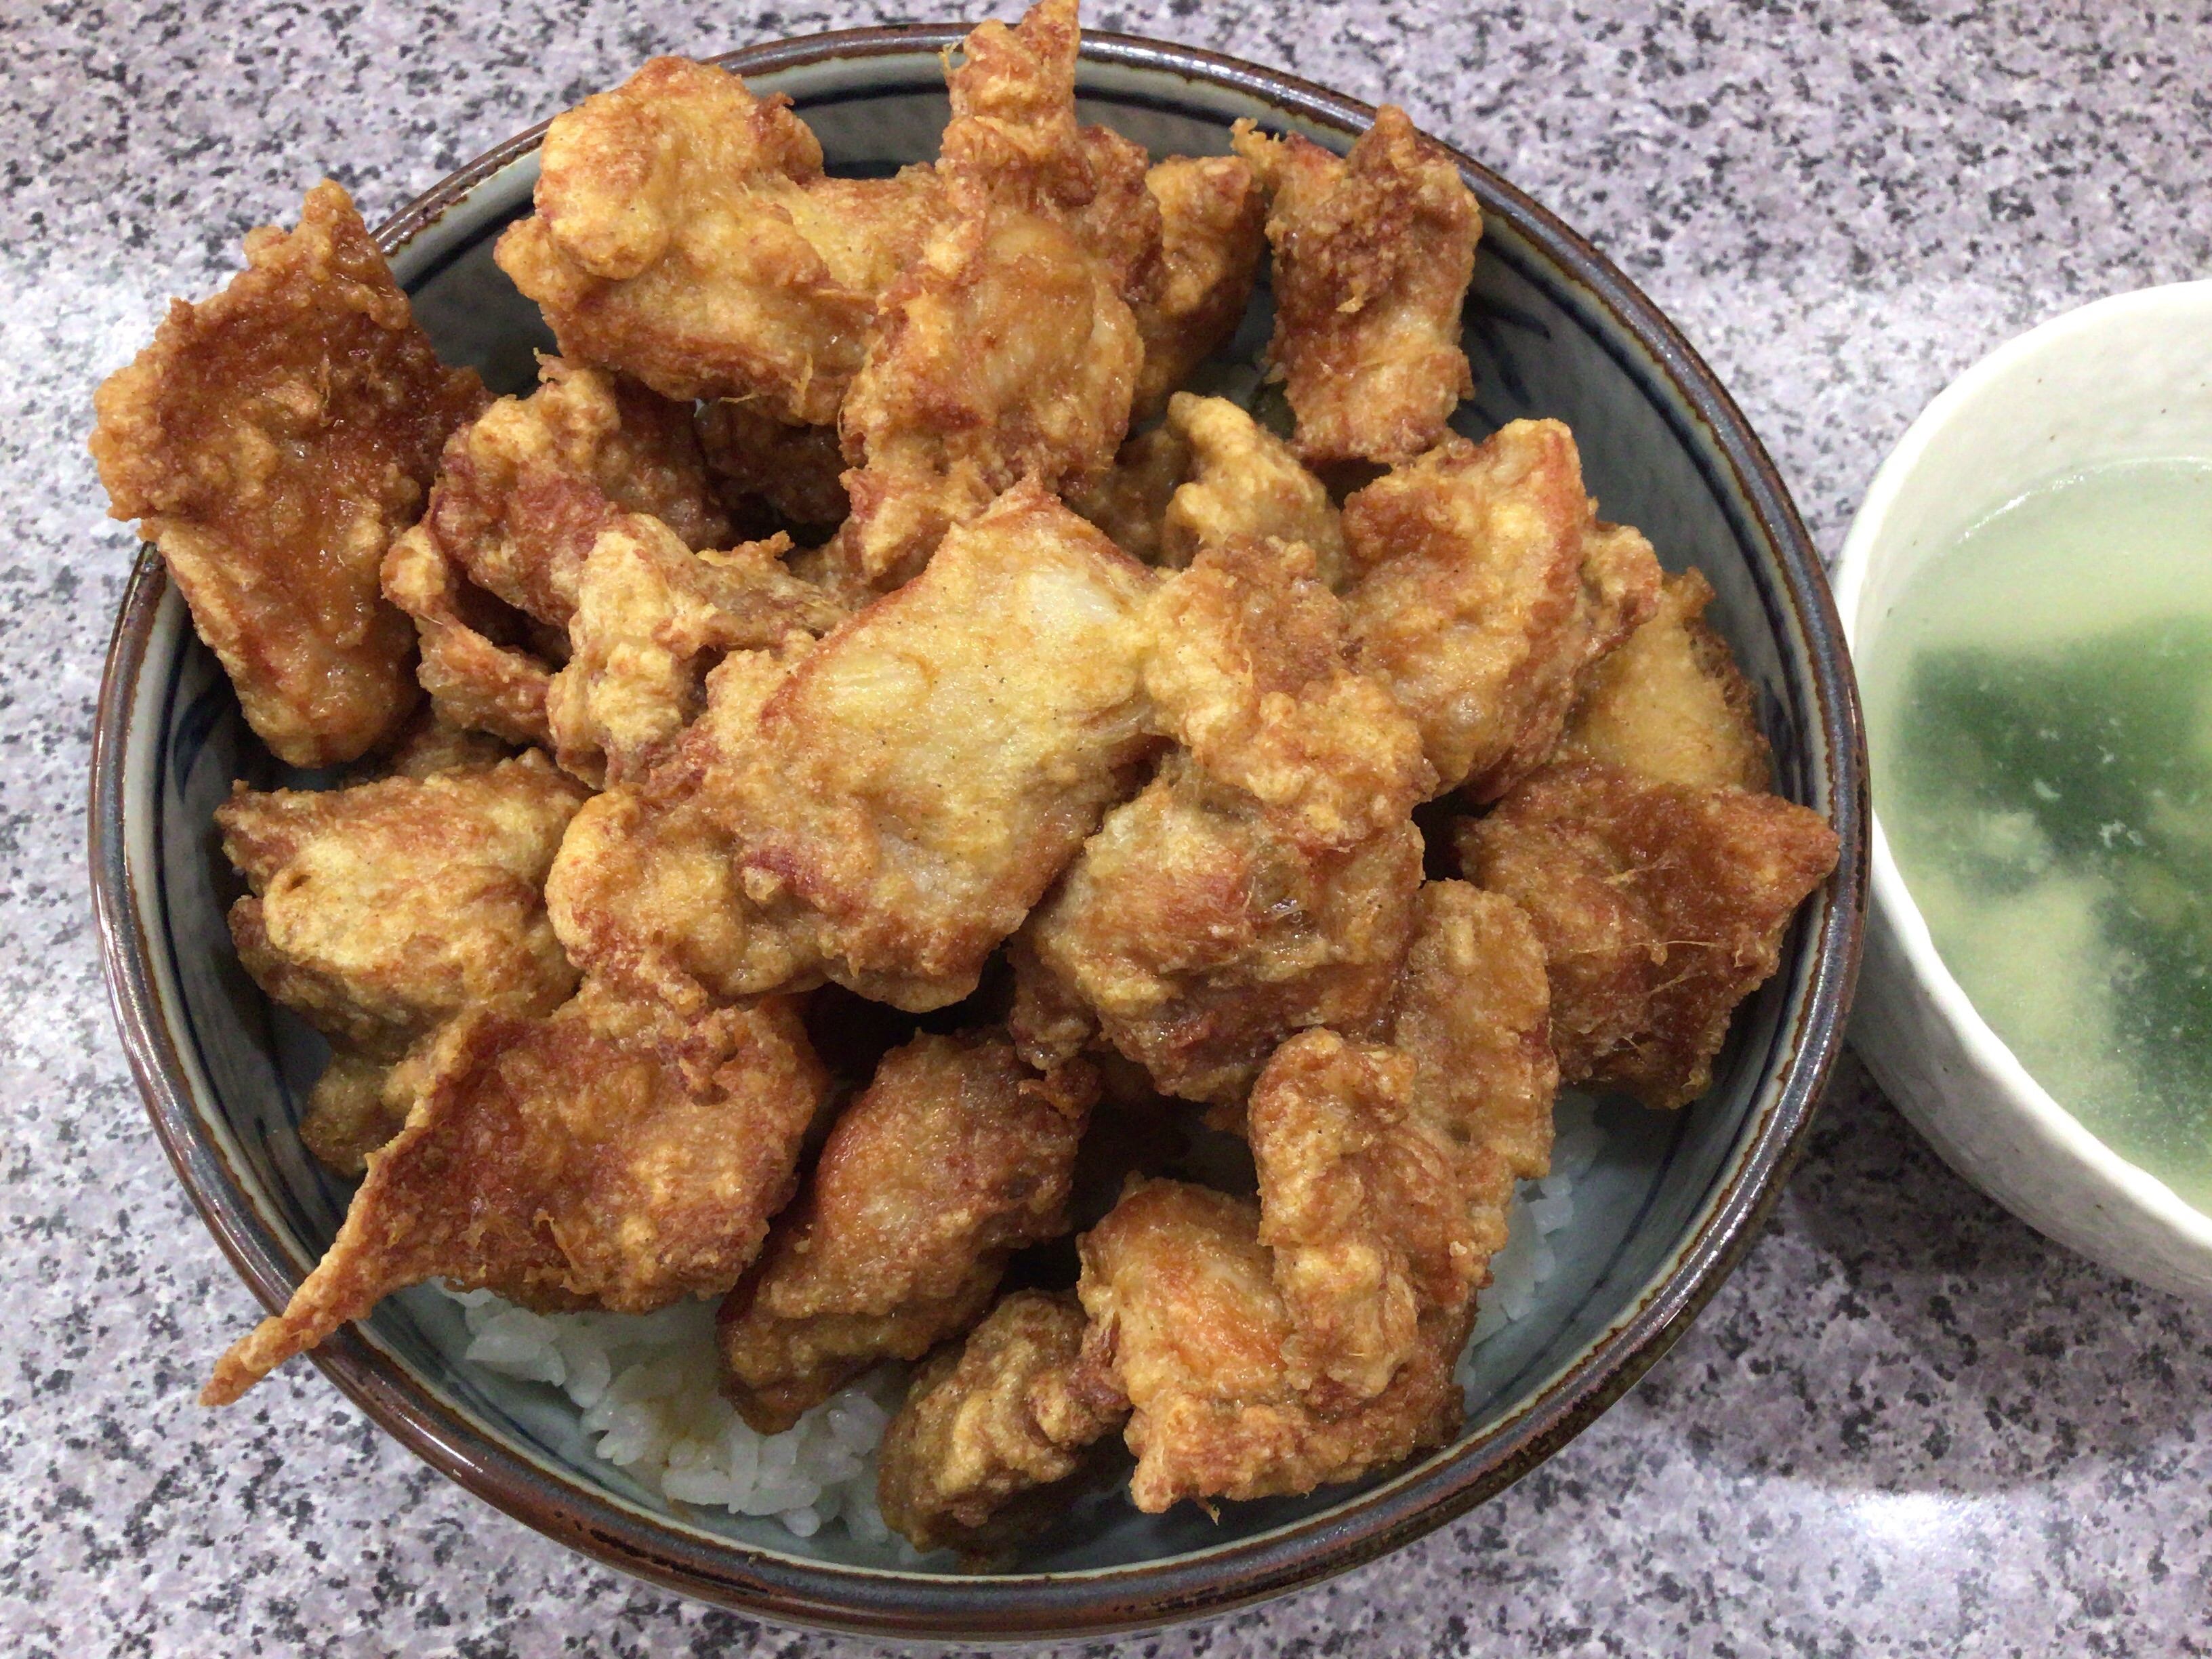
(815, 652)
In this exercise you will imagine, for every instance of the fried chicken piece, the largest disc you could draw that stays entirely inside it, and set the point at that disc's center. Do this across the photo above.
(1004, 352)
(956, 1157)
(1485, 590)
(1661, 907)
(481, 660)
(650, 618)
(1242, 480)
(1195, 934)
(994, 1431)
(794, 469)
(684, 234)
(1360, 1208)
(348, 1117)
(1474, 1014)
(272, 441)
(1373, 256)
(1185, 1312)
(607, 1157)
(1263, 881)
(1269, 1349)
(1250, 671)
(380, 911)
(1211, 218)
(886, 808)
(525, 491)
(1385, 1171)
(1670, 704)
(1013, 131)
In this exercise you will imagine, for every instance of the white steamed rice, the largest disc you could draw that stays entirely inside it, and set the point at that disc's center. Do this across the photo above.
(646, 1383)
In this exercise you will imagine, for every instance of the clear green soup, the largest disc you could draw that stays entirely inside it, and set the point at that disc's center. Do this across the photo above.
(2040, 713)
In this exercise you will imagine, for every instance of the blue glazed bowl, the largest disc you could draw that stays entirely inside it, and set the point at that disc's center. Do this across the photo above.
(1671, 1205)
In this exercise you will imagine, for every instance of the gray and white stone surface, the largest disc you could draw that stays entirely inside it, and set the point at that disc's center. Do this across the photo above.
(1907, 1425)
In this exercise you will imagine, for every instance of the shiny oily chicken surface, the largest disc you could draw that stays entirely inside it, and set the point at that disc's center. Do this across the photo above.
(272, 440)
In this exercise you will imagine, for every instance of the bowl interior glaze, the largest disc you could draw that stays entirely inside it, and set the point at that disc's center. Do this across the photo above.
(1552, 330)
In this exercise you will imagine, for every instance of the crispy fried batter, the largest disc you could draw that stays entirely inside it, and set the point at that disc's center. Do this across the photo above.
(650, 615)
(481, 660)
(431, 746)
(1670, 703)
(1207, 474)
(686, 235)
(1250, 672)
(1474, 1014)
(606, 1157)
(1661, 907)
(894, 802)
(1184, 1310)
(1373, 256)
(525, 491)
(1264, 881)
(1004, 352)
(490, 574)
(348, 1117)
(795, 469)
(272, 441)
(1212, 220)
(1196, 934)
(1013, 131)
(993, 1431)
(1361, 1208)
(1485, 590)
(1242, 480)
(956, 1157)
(1385, 1171)
(381, 911)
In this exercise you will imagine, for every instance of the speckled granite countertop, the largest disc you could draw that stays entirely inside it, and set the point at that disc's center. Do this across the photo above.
(1907, 1425)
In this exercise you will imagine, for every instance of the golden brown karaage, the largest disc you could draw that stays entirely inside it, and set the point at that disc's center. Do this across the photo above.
(1486, 590)
(381, 911)
(608, 1157)
(1212, 231)
(1181, 1299)
(1661, 907)
(272, 441)
(684, 234)
(1670, 702)
(1263, 881)
(1373, 255)
(994, 1430)
(650, 618)
(884, 808)
(956, 1157)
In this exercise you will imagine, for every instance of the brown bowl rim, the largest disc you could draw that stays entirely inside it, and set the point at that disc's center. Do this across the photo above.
(914, 1606)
